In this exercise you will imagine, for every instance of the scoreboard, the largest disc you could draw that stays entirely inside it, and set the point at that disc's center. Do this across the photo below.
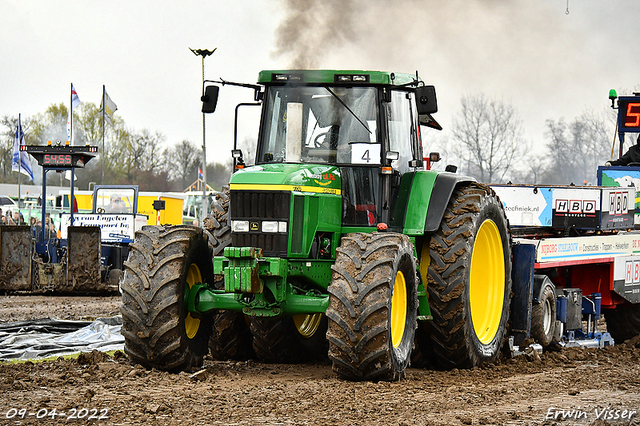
(61, 156)
(629, 114)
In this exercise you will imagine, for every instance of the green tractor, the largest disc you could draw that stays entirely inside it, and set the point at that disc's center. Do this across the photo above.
(337, 241)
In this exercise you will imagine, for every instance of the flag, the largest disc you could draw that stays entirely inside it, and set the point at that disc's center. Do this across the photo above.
(200, 175)
(110, 107)
(20, 161)
(67, 176)
(75, 100)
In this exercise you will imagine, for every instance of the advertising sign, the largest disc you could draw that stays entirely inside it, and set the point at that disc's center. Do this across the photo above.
(113, 227)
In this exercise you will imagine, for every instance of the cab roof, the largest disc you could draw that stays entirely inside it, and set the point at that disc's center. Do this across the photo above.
(347, 77)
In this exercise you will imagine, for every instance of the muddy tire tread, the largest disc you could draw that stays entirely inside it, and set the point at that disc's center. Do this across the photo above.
(359, 306)
(450, 251)
(152, 306)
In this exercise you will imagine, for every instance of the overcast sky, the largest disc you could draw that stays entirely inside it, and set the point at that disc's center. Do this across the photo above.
(531, 54)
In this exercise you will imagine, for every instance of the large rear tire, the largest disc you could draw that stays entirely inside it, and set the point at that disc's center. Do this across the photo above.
(372, 306)
(469, 280)
(159, 332)
(623, 322)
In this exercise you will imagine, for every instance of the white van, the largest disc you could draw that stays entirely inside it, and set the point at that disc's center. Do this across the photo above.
(7, 203)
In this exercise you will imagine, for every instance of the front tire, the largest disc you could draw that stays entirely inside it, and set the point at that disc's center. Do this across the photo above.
(372, 306)
(469, 282)
(159, 332)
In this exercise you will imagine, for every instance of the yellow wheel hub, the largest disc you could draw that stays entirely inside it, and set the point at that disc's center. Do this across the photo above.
(398, 309)
(486, 284)
(192, 324)
(307, 324)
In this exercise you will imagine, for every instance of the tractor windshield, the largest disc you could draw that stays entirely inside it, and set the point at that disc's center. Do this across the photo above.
(315, 124)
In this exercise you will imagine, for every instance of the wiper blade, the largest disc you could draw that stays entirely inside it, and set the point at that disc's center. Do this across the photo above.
(349, 109)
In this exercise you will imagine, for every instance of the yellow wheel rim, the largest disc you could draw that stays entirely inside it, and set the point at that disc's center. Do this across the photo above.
(192, 324)
(398, 309)
(486, 284)
(307, 324)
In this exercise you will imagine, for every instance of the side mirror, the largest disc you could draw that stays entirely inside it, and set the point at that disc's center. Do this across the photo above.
(210, 99)
(426, 100)
(238, 161)
(236, 153)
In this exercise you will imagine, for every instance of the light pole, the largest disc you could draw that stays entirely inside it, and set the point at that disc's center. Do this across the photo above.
(205, 202)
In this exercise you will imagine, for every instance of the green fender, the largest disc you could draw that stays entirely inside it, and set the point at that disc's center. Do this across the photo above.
(427, 196)
(427, 201)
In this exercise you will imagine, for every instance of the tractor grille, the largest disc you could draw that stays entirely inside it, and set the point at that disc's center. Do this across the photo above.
(256, 207)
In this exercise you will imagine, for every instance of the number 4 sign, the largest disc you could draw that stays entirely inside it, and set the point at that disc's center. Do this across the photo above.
(365, 153)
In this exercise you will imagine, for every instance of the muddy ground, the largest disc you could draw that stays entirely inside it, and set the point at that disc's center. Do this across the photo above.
(520, 391)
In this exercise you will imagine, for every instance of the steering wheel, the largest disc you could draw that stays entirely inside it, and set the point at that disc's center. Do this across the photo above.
(316, 141)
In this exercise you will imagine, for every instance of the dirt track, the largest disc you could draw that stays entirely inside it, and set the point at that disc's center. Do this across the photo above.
(515, 392)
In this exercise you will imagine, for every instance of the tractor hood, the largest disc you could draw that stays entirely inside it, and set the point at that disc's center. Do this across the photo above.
(322, 179)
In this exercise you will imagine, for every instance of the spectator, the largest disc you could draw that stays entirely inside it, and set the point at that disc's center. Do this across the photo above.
(116, 205)
(49, 228)
(632, 156)
(17, 218)
(35, 226)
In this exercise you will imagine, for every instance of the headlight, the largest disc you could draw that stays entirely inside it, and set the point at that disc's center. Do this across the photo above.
(240, 225)
(273, 226)
(269, 226)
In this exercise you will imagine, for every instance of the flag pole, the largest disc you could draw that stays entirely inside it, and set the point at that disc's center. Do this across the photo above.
(71, 115)
(70, 132)
(104, 107)
(19, 161)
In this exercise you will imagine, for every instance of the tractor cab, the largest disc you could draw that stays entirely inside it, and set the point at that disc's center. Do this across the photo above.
(361, 130)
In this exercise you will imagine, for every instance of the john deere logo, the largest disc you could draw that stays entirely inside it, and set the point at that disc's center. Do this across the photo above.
(254, 226)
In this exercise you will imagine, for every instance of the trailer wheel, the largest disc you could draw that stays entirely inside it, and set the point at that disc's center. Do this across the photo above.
(159, 332)
(543, 318)
(623, 322)
(372, 306)
(469, 282)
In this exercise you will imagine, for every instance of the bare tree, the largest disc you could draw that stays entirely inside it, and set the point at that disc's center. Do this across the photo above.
(6, 145)
(218, 174)
(140, 152)
(488, 138)
(577, 148)
(185, 158)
